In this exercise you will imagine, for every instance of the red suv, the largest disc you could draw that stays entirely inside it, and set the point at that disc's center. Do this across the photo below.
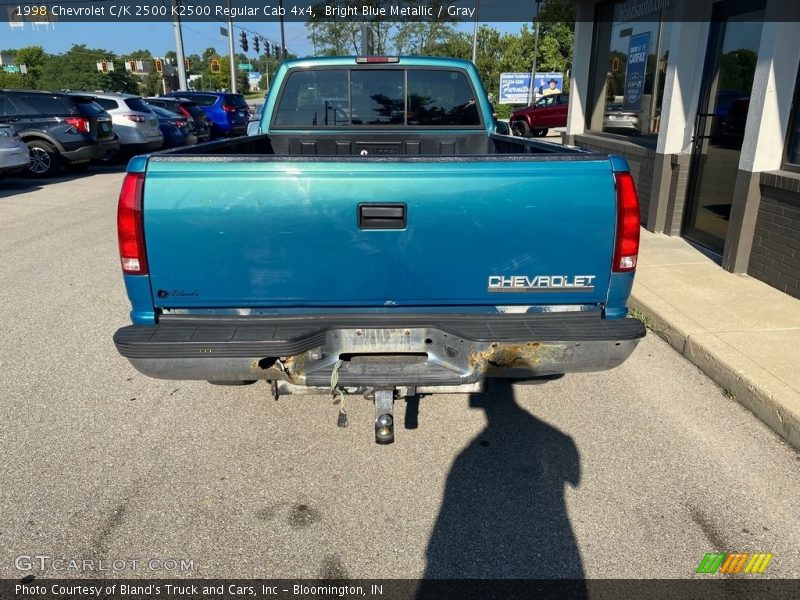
(547, 111)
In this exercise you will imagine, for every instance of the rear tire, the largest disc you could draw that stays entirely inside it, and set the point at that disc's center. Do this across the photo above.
(232, 382)
(45, 160)
(540, 132)
(520, 128)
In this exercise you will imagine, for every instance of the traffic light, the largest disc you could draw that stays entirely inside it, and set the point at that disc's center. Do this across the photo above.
(159, 65)
(243, 36)
(615, 64)
(104, 66)
(215, 66)
(132, 65)
(186, 63)
(276, 52)
(255, 44)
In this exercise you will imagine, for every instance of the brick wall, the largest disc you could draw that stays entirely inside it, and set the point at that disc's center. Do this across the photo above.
(775, 256)
(641, 161)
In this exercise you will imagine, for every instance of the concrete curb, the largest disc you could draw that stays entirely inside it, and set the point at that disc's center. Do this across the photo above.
(773, 402)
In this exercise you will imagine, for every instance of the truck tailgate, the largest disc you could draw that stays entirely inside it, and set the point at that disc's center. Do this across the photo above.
(222, 232)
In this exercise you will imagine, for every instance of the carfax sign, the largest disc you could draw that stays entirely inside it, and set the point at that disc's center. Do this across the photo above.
(638, 47)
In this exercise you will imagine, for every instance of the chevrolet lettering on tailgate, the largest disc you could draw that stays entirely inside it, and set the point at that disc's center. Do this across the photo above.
(541, 283)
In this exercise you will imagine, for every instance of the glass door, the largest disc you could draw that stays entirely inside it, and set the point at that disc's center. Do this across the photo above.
(728, 75)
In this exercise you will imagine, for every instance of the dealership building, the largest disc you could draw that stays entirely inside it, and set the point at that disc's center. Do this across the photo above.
(701, 98)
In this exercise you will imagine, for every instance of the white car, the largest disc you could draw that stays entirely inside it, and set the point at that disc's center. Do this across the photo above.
(134, 123)
(14, 155)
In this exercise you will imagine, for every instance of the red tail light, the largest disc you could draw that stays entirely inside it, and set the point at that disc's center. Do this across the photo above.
(180, 122)
(79, 123)
(626, 247)
(373, 60)
(228, 108)
(130, 227)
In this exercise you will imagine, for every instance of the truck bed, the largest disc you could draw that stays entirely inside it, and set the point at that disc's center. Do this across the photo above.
(349, 143)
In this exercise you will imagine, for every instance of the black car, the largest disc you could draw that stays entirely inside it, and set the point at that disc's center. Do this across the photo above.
(59, 129)
(188, 109)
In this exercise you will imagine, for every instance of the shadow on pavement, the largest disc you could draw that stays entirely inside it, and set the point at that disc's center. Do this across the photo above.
(503, 514)
(17, 184)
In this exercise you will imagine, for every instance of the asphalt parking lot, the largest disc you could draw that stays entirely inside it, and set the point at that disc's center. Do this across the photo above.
(636, 472)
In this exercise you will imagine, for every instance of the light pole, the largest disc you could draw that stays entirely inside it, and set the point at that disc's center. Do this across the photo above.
(230, 49)
(532, 94)
(176, 25)
(475, 34)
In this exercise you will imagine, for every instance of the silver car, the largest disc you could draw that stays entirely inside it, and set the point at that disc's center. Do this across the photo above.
(617, 119)
(14, 154)
(134, 123)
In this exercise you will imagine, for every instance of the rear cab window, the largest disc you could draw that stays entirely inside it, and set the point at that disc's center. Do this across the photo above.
(395, 97)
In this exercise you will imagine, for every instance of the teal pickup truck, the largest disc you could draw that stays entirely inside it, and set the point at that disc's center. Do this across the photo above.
(378, 236)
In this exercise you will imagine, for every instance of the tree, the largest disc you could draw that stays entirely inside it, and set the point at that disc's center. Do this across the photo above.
(76, 69)
(556, 36)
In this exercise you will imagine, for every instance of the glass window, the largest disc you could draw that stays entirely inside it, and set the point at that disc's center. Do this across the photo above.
(343, 97)
(314, 99)
(793, 135)
(629, 71)
(437, 98)
(88, 107)
(44, 104)
(377, 97)
(137, 104)
(203, 99)
(107, 103)
(237, 100)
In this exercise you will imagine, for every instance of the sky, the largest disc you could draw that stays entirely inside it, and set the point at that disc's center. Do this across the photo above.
(159, 38)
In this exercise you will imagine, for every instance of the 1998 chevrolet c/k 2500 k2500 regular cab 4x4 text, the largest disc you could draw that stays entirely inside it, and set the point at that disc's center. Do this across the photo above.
(377, 230)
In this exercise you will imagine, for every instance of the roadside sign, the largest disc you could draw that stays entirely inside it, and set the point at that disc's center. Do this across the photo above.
(514, 88)
(11, 69)
(245, 66)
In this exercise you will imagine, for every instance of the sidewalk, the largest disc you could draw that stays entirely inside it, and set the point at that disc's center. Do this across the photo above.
(742, 333)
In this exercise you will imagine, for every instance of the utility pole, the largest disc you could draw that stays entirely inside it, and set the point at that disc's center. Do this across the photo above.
(176, 27)
(283, 35)
(532, 94)
(230, 48)
(475, 34)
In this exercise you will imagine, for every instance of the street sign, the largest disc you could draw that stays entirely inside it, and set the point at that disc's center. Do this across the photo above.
(11, 69)
(245, 66)
(223, 32)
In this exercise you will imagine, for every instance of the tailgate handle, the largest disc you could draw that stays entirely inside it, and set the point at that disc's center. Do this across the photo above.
(382, 216)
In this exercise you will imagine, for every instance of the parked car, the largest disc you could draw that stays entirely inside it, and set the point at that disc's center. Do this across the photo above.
(445, 272)
(177, 130)
(14, 154)
(59, 130)
(255, 119)
(546, 112)
(228, 113)
(617, 119)
(134, 122)
(190, 110)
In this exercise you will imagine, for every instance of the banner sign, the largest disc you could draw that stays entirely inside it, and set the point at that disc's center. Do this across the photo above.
(638, 48)
(515, 88)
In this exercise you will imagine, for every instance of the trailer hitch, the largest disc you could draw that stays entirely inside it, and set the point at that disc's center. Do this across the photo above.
(384, 416)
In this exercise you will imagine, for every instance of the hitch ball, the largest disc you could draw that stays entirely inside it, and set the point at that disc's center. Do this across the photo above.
(384, 429)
